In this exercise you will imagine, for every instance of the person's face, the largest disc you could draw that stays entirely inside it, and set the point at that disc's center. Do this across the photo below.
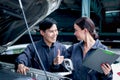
(79, 33)
(50, 35)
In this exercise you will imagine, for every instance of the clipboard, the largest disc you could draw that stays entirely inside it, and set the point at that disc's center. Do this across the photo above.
(98, 57)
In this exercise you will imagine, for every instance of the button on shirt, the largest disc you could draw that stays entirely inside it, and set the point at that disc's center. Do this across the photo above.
(47, 55)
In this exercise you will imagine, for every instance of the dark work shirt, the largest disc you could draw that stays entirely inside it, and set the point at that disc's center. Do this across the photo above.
(80, 72)
(47, 54)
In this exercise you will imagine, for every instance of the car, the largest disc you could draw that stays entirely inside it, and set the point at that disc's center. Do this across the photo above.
(17, 17)
(15, 49)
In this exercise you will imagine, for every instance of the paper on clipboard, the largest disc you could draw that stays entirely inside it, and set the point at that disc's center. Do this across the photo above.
(99, 57)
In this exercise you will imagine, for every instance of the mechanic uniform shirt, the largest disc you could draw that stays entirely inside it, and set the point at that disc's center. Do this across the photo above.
(47, 55)
(80, 72)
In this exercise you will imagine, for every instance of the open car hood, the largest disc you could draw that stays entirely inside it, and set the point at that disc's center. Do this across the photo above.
(12, 24)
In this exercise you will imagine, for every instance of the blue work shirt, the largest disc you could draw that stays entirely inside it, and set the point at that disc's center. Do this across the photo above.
(47, 54)
(80, 72)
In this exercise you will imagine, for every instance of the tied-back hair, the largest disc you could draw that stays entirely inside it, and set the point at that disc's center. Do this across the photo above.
(85, 22)
(46, 23)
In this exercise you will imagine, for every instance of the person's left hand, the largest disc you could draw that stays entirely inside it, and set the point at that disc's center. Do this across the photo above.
(106, 68)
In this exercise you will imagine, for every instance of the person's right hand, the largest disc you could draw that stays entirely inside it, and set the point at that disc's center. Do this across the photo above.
(22, 69)
(59, 59)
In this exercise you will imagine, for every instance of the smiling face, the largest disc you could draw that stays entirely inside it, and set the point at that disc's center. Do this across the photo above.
(79, 33)
(85, 27)
(50, 35)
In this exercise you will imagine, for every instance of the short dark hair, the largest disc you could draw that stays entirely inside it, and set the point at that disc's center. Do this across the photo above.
(46, 23)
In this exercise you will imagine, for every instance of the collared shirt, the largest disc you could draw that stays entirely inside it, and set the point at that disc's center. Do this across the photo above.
(80, 72)
(46, 54)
